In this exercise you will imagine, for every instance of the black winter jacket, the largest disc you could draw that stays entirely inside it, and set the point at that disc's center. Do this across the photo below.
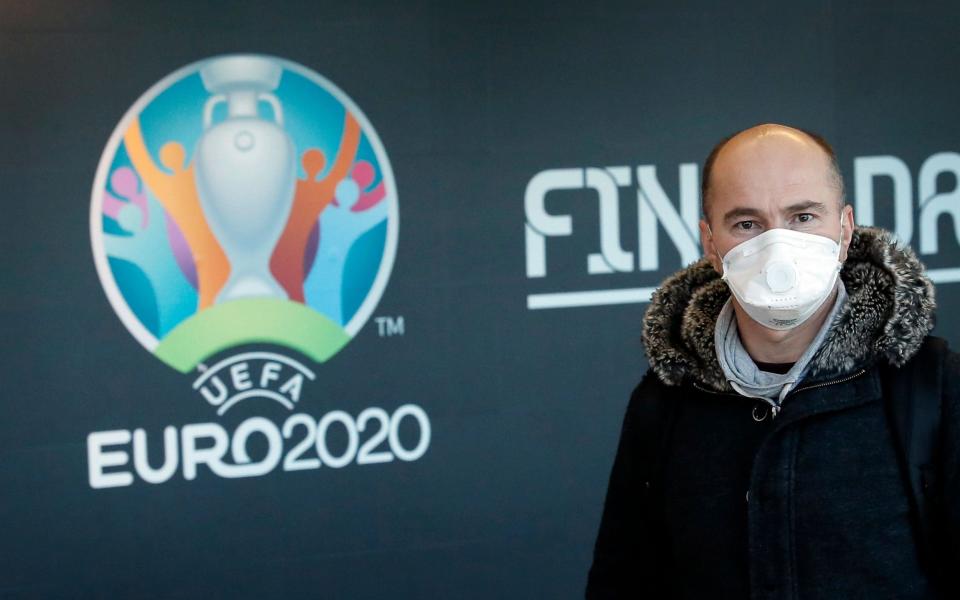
(726, 501)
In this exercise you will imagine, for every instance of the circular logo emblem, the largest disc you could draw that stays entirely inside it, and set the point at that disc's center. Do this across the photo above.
(243, 199)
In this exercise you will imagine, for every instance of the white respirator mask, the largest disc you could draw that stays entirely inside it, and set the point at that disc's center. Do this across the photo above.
(781, 277)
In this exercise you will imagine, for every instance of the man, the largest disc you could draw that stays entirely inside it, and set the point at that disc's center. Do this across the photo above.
(756, 458)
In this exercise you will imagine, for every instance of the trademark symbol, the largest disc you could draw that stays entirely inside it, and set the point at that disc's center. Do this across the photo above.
(389, 326)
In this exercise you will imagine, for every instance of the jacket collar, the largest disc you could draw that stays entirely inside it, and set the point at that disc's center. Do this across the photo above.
(888, 313)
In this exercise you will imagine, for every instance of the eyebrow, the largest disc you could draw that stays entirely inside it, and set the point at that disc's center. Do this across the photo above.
(739, 212)
(806, 205)
(743, 211)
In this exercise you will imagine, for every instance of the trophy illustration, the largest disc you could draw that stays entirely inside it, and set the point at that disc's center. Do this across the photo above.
(245, 171)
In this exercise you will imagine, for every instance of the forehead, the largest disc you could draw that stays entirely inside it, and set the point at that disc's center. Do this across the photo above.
(777, 169)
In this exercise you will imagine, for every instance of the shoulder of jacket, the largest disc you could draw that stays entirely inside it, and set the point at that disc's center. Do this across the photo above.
(651, 398)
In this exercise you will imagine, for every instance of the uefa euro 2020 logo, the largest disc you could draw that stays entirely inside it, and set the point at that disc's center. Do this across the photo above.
(244, 199)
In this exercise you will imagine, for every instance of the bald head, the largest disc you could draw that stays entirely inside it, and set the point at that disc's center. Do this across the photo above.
(771, 156)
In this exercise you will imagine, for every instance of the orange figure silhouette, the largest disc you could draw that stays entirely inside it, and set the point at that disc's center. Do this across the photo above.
(177, 192)
(310, 198)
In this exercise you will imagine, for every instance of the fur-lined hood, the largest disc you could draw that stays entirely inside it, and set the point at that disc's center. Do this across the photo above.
(888, 313)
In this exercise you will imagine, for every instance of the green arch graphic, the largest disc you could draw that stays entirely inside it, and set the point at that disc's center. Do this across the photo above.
(255, 320)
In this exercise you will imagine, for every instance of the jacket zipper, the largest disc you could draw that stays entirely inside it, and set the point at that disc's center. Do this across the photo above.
(826, 383)
(775, 406)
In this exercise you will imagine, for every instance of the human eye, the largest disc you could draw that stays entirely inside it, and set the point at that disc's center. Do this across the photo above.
(805, 218)
(745, 226)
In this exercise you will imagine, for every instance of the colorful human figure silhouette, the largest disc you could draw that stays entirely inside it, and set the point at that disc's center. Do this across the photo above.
(124, 181)
(363, 174)
(175, 188)
(146, 246)
(311, 198)
(340, 226)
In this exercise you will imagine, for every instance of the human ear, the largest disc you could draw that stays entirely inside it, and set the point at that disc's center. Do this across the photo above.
(846, 236)
(709, 249)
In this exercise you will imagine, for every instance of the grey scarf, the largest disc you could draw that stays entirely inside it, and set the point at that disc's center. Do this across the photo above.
(742, 372)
